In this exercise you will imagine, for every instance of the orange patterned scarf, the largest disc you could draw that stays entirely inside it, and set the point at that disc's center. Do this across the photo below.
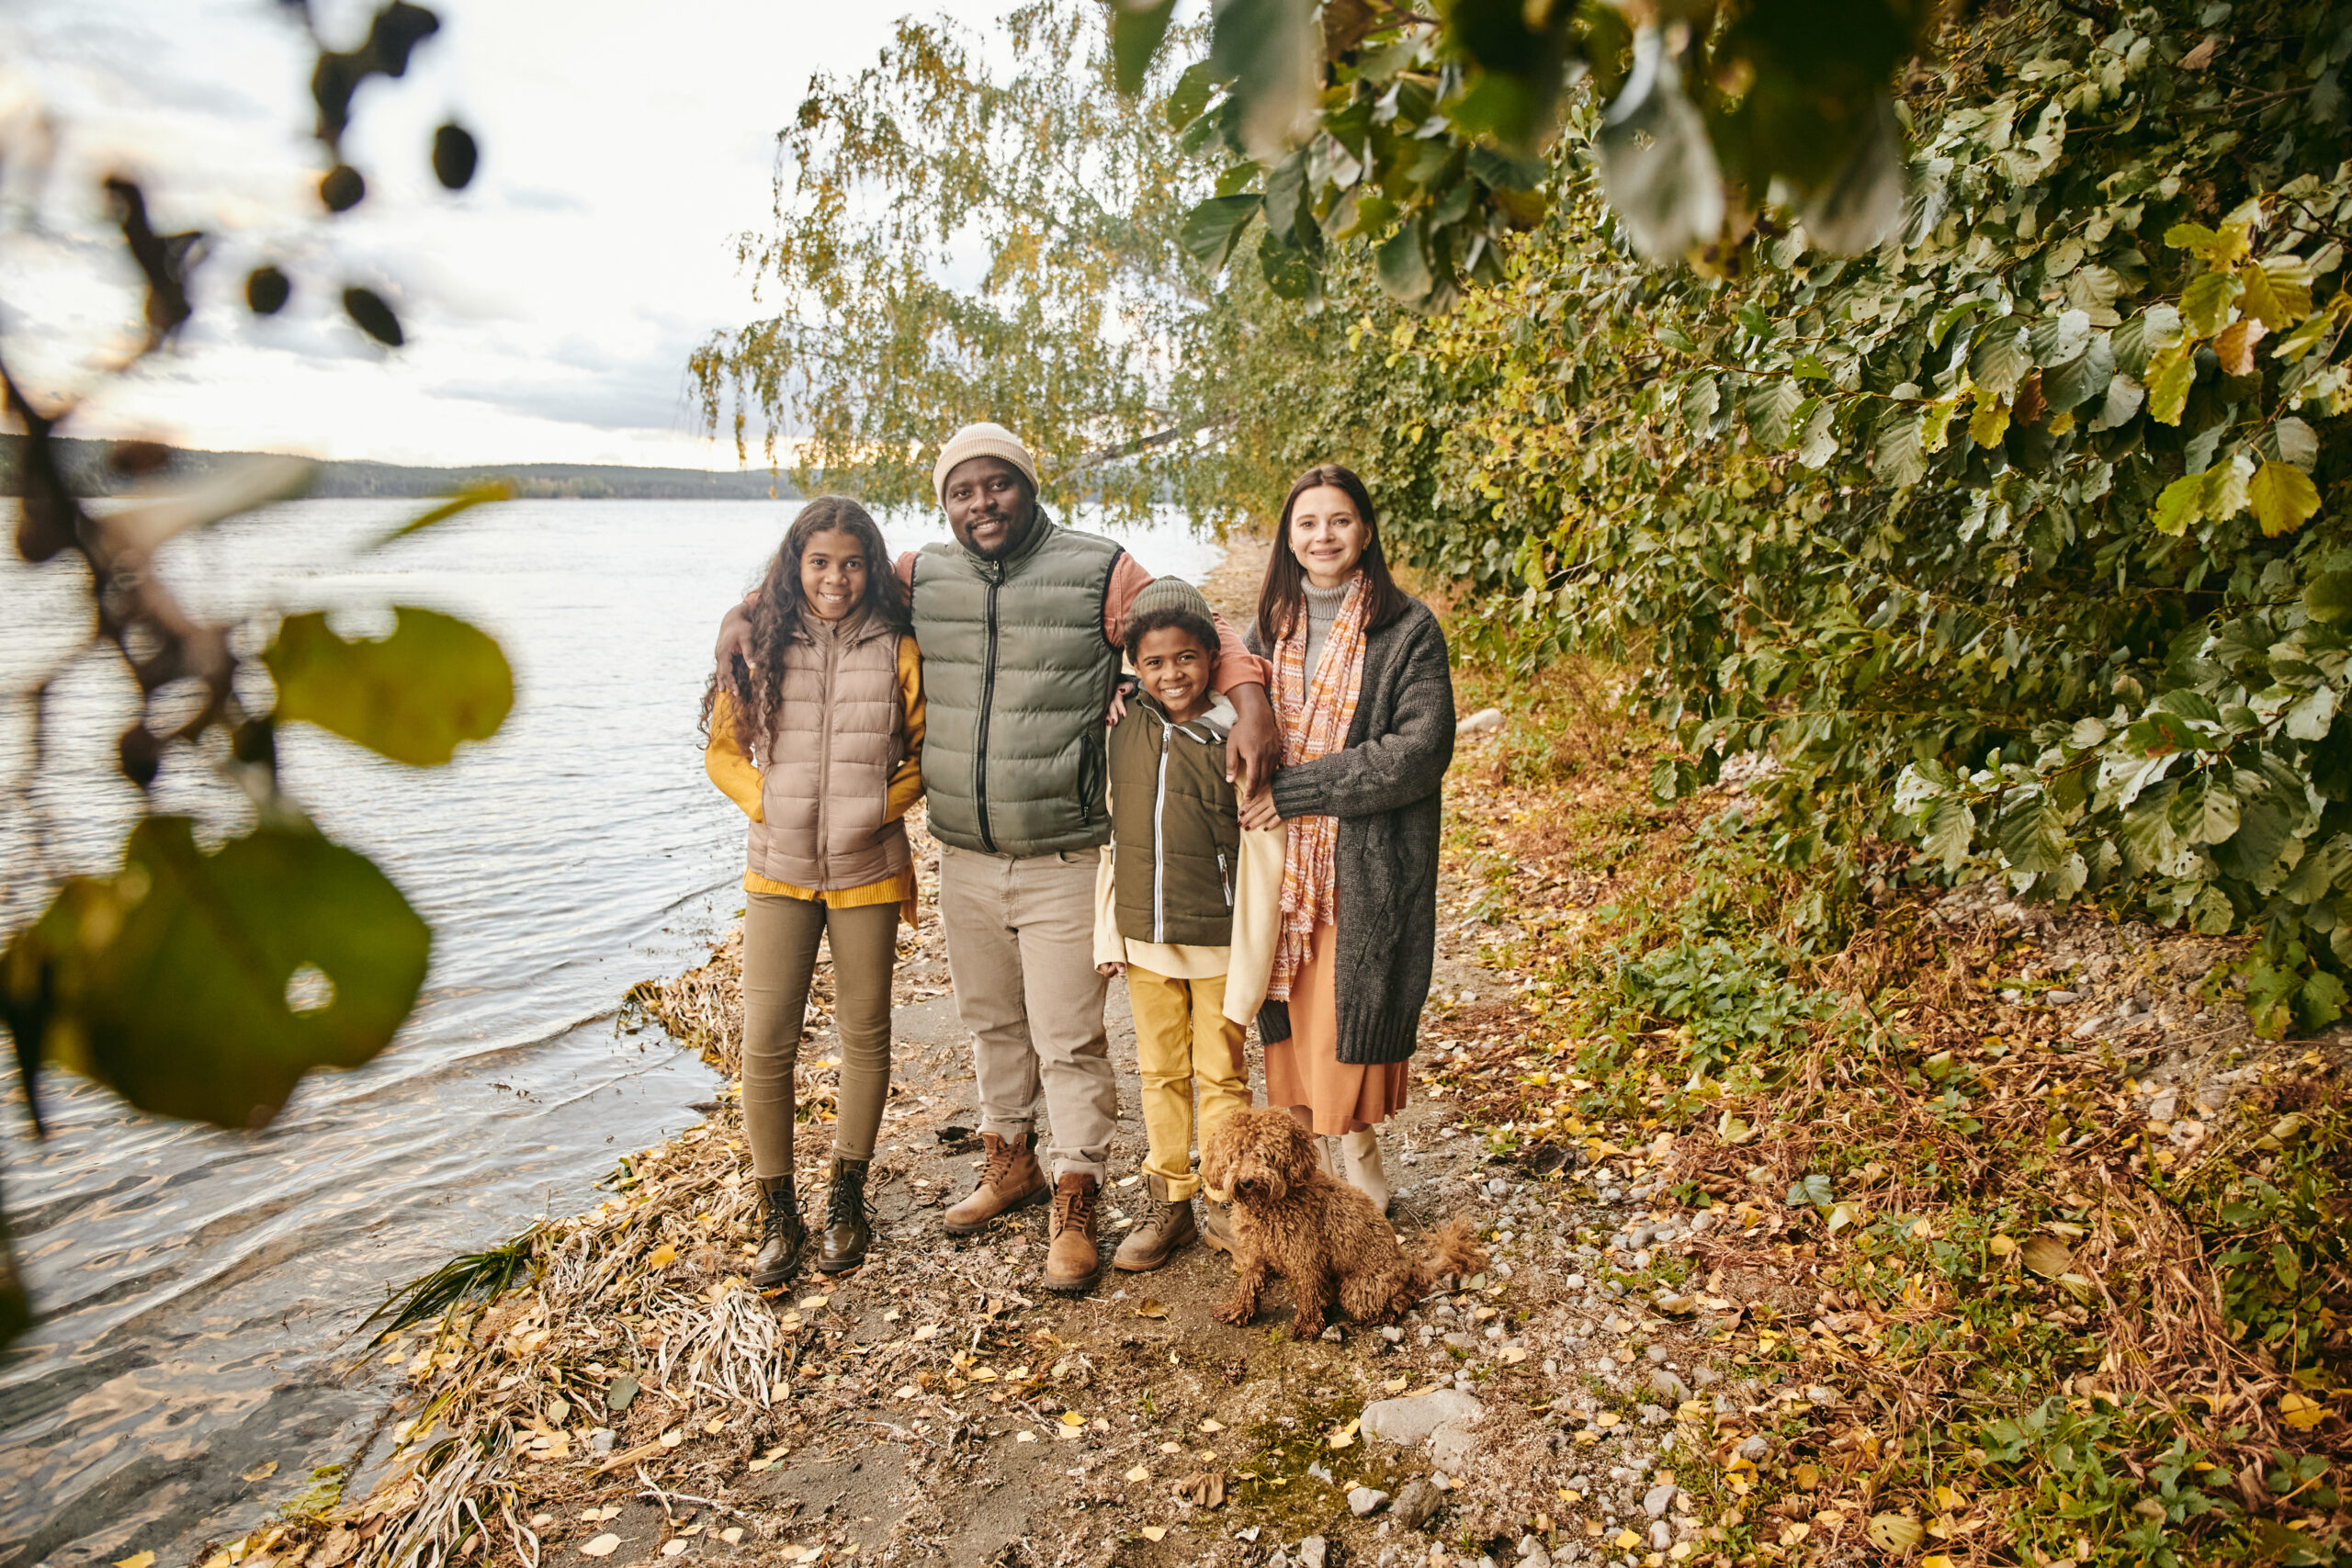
(1315, 709)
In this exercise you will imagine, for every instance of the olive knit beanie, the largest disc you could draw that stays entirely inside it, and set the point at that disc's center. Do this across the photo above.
(983, 440)
(1165, 593)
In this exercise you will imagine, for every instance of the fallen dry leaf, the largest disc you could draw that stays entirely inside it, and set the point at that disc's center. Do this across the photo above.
(1204, 1489)
(661, 1257)
(602, 1546)
(137, 1560)
(1211, 1424)
(1152, 1307)
(1139, 1473)
(1894, 1533)
(732, 1535)
(1154, 1532)
(262, 1472)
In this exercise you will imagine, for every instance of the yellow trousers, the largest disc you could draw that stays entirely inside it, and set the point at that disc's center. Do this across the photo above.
(1184, 1042)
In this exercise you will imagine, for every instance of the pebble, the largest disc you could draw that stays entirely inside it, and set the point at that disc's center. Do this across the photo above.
(2062, 999)
(1363, 1500)
(1658, 1353)
(1312, 1551)
(1661, 1536)
(1754, 1449)
(600, 1442)
(1607, 1365)
(1667, 1384)
(1415, 1503)
(1658, 1499)
(1391, 1333)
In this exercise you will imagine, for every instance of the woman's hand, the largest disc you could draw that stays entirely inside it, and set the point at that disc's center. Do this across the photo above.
(1258, 810)
(1120, 692)
(1111, 970)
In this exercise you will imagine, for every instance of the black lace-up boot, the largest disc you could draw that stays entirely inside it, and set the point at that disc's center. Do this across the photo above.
(783, 1236)
(849, 1230)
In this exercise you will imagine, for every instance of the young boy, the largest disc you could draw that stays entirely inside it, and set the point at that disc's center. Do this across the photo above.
(1187, 905)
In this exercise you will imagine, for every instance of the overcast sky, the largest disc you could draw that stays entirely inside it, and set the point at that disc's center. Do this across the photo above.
(550, 308)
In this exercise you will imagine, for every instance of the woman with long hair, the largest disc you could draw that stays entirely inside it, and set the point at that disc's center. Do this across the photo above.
(818, 735)
(1364, 693)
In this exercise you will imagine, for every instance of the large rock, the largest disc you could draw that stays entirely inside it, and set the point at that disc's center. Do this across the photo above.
(1409, 1421)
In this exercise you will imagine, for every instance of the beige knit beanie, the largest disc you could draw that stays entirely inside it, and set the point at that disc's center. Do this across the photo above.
(982, 440)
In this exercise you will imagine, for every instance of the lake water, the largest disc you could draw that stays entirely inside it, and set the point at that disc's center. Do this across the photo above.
(197, 1289)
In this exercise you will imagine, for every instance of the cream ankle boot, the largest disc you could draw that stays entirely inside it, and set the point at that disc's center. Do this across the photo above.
(1362, 1151)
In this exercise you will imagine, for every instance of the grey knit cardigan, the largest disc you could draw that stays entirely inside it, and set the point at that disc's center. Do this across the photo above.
(1383, 789)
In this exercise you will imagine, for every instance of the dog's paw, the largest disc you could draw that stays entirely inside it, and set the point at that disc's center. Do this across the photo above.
(1305, 1328)
(1236, 1313)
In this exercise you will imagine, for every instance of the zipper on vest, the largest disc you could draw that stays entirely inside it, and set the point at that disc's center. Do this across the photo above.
(825, 666)
(1224, 881)
(988, 703)
(1160, 839)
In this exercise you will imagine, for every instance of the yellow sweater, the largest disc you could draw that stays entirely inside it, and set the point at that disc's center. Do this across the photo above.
(738, 778)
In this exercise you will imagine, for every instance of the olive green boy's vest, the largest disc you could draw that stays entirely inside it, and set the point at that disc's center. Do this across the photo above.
(1017, 672)
(1175, 828)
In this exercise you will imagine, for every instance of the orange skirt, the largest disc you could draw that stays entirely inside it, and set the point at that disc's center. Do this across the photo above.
(1305, 1073)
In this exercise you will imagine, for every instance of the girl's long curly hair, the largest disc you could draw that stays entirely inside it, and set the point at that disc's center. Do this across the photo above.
(776, 612)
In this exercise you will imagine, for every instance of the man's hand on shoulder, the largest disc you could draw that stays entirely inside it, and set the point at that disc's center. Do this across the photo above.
(1254, 749)
(734, 642)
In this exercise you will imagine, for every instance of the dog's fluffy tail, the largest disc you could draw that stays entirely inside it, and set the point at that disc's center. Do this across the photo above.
(1453, 1249)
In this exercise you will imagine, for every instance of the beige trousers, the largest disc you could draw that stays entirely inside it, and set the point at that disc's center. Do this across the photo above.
(1183, 1040)
(780, 937)
(1020, 957)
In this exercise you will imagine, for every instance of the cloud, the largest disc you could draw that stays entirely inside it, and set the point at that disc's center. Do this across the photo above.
(550, 309)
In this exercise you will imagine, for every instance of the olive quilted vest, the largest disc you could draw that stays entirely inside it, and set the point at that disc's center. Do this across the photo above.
(1176, 828)
(1017, 675)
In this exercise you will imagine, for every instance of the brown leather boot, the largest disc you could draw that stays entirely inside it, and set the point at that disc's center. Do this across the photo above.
(1165, 1225)
(1008, 1179)
(1073, 1259)
(1216, 1225)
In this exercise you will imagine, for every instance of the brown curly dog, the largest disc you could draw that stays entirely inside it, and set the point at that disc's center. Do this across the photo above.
(1290, 1217)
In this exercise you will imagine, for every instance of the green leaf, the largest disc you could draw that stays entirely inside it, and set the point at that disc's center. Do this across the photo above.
(2205, 303)
(1990, 421)
(1290, 271)
(466, 499)
(413, 698)
(1814, 1191)
(2176, 373)
(1214, 227)
(2329, 598)
(2031, 838)
(1950, 828)
(2210, 914)
(1137, 27)
(2283, 498)
(2318, 1001)
(1899, 461)
(2207, 816)
(1269, 51)
(1404, 265)
(2002, 359)
(205, 986)
(2180, 503)
(1656, 162)
(1191, 93)
(1772, 410)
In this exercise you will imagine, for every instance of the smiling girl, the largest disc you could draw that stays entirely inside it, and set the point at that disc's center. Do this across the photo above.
(818, 735)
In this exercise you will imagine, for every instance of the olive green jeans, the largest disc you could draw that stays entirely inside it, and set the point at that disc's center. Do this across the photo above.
(780, 937)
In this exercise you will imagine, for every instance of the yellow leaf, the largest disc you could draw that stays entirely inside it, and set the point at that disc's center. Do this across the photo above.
(1894, 1533)
(1152, 1307)
(2001, 1246)
(1626, 1540)
(1395, 1385)
(1072, 1418)
(137, 1560)
(1990, 422)
(2301, 1412)
(260, 1471)
(661, 1257)
(1139, 1473)
(1155, 1533)
(1935, 1560)
(2283, 498)
(810, 1303)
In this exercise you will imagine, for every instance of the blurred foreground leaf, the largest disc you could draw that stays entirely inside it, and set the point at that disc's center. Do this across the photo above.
(466, 499)
(204, 985)
(413, 696)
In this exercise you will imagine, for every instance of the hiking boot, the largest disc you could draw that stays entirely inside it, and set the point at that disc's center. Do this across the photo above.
(1217, 1225)
(849, 1230)
(1008, 1179)
(1164, 1226)
(782, 1234)
(1073, 1260)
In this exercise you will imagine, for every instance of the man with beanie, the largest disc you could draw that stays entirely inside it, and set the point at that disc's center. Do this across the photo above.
(1020, 621)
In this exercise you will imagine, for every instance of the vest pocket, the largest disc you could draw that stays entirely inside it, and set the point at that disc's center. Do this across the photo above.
(1091, 764)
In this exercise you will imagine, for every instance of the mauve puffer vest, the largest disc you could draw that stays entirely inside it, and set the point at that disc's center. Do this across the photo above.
(840, 734)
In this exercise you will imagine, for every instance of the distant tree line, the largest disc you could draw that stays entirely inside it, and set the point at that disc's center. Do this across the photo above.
(98, 468)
